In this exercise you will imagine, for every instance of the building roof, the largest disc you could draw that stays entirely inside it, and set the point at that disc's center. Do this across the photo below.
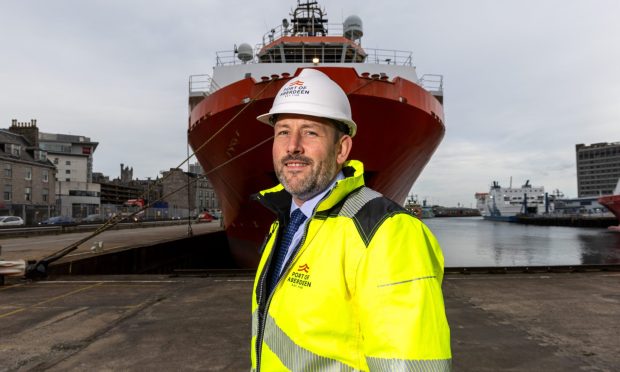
(26, 153)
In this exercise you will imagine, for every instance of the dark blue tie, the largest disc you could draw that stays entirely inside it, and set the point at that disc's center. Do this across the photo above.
(297, 218)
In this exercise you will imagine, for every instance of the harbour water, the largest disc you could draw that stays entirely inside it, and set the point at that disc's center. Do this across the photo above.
(472, 242)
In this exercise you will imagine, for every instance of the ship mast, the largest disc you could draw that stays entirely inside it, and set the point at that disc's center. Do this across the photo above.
(308, 19)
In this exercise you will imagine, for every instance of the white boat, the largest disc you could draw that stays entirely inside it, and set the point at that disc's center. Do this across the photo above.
(505, 203)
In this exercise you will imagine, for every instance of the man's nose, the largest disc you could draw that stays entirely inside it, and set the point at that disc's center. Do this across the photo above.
(294, 144)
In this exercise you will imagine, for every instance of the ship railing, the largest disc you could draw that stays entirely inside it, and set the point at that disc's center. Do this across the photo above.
(432, 82)
(328, 54)
(389, 57)
(330, 29)
(201, 85)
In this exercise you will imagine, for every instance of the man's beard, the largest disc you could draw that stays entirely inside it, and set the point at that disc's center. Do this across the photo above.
(321, 175)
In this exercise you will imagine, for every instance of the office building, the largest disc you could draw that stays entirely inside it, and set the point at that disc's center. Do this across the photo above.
(75, 194)
(598, 168)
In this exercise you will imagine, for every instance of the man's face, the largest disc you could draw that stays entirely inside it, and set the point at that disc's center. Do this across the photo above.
(307, 154)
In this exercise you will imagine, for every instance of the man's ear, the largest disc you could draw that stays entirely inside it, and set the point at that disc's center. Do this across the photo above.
(344, 149)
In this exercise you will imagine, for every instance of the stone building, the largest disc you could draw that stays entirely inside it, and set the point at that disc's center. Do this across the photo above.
(182, 202)
(27, 178)
(205, 195)
(75, 194)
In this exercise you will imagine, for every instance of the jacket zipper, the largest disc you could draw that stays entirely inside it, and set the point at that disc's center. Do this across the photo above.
(262, 319)
(263, 311)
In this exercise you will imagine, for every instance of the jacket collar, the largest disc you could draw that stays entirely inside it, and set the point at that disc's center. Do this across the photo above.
(278, 200)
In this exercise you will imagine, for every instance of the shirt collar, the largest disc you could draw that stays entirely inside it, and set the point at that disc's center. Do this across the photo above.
(308, 206)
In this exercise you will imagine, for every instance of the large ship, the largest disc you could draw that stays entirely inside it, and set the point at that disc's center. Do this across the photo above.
(399, 115)
(506, 203)
(612, 202)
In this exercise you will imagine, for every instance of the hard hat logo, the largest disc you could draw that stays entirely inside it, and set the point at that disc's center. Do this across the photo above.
(296, 88)
(312, 93)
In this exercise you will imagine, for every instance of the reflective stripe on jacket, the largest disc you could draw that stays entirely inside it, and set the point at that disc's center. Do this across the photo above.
(361, 293)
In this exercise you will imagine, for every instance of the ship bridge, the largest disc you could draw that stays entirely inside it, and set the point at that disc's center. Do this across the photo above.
(307, 39)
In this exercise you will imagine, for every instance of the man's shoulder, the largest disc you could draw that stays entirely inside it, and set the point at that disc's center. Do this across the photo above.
(368, 202)
(369, 209)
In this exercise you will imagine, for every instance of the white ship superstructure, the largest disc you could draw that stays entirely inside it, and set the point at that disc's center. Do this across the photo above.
(505, 203)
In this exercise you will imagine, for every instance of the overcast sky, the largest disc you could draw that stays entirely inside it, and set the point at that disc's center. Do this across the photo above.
(524, 80)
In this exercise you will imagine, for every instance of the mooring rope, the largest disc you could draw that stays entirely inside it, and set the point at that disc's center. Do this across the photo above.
(108, 224)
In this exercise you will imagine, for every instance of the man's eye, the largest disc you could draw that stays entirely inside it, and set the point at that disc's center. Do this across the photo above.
(311, 133)
(282, 133)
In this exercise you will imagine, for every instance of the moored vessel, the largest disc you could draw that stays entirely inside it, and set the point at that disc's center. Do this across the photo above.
(506, 203)
(612, 203)
(399, 115)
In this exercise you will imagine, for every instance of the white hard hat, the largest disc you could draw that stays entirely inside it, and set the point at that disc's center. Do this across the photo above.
(312, 93)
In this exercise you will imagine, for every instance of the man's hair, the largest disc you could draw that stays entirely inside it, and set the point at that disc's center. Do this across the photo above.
(341, 129)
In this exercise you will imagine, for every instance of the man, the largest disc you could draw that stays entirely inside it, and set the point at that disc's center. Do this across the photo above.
(348, 280)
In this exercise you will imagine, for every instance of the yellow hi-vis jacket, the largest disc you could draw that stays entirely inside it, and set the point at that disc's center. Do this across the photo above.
(361, 293)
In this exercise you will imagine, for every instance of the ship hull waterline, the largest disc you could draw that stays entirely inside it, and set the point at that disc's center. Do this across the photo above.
(399, 127)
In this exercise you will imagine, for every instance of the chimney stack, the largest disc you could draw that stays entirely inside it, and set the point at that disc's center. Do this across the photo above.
(28, 130)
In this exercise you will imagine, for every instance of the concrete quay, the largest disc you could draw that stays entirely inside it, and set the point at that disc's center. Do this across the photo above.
(38, 246)
(499, 322)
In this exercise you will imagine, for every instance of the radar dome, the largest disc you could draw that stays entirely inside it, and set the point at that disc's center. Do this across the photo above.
(245, 52)
(353, 27)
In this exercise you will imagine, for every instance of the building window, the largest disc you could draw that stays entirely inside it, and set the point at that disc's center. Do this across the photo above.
(8, 171)
(8, 192)
(68, 179)
(45, 175)
(55, 160)
(40, 155)
(28, 172)
(15, 150)
(68, 171)
(45, 195)
(68, 162)
(27, 193)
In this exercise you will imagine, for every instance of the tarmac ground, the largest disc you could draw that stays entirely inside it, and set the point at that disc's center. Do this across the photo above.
(499, 322)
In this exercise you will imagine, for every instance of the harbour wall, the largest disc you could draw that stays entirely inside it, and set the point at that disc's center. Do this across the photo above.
(569, 221)
(205, 251)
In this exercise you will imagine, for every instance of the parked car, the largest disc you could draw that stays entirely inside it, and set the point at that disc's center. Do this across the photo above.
(11, 221)
(216, 213)
(93, 218)
(204, 217)
(58, 220)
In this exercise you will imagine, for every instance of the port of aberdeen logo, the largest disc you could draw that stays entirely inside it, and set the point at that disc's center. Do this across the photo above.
(305, 268)
(295, 88)
(301, 277)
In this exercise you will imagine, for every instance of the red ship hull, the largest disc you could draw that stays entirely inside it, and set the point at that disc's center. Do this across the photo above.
(611, 202)
(399, 127)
